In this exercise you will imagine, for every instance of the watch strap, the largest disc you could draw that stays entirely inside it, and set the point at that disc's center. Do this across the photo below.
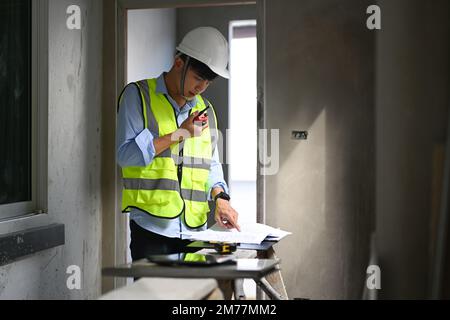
(223, 196)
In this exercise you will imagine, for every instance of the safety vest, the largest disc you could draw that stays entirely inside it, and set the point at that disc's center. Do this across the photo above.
(176, 182)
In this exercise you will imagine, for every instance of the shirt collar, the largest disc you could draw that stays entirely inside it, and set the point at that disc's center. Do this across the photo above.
(162, 89)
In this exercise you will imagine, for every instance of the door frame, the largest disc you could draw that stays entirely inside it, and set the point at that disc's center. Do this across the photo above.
(114, 229)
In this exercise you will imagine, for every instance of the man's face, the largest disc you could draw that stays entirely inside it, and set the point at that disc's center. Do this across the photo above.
(194, 84)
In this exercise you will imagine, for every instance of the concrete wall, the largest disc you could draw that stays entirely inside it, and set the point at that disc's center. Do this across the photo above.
(411, 117)
(151, 42)
(218, 17)
(320, 78)
(73, 165)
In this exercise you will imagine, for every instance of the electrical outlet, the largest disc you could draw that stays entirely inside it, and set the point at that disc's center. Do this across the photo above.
(300, 135)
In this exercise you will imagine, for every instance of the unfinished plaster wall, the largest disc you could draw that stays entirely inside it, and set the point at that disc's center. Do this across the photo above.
(73, 162)
(320, 78)
(412, 99)
(151, 42)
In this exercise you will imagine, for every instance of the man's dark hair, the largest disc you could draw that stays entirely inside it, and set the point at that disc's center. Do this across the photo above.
(199, 67)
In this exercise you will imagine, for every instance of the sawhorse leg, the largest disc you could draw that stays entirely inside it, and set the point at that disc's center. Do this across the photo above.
(239, 293)
(268, 289)
(232, 288)
(273, 281)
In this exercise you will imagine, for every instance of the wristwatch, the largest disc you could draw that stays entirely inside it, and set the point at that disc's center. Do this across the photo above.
(223, 196)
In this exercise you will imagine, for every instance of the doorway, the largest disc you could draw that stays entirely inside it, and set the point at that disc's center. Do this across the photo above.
(169, 22)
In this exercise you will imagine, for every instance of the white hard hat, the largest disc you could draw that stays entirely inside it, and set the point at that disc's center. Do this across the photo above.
(207, 45)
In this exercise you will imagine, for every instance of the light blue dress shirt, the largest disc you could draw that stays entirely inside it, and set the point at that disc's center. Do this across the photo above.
(135, 148)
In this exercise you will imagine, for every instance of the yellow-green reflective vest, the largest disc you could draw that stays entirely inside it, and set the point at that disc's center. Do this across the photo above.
(194, 257)
(176, 182)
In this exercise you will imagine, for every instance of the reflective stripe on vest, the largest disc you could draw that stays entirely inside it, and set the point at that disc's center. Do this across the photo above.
(156, 189)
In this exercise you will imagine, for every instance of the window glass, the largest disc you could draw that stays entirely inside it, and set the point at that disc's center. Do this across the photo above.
(15, 101)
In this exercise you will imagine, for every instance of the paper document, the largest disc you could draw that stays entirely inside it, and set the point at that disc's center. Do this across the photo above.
(250, 233)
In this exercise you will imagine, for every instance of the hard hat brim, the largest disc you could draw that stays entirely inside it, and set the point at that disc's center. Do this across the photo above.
(224, 73)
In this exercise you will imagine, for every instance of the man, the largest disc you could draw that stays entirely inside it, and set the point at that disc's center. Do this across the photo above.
(167, 152)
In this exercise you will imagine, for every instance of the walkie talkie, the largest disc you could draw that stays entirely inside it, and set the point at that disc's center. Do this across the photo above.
(199, 118)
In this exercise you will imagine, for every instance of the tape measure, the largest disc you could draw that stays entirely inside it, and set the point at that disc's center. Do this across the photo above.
(225, 248)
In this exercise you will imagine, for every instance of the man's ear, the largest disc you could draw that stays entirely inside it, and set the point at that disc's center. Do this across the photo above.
(178, 64)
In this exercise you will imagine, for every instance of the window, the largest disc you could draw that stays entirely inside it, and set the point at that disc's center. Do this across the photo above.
(21, 109)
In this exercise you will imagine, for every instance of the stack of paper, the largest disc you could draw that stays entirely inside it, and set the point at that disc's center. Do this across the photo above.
(250, 233)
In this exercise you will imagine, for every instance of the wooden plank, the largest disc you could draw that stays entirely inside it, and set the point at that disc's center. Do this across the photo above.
(438, 160)
(166, 289)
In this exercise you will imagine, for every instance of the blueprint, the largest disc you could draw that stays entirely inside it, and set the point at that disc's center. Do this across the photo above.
(250, 233)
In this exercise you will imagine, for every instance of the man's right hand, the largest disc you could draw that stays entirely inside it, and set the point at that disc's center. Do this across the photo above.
(187, 130)
(195, 128)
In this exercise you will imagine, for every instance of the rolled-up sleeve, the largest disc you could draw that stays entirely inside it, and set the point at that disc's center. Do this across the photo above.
(134, 142)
